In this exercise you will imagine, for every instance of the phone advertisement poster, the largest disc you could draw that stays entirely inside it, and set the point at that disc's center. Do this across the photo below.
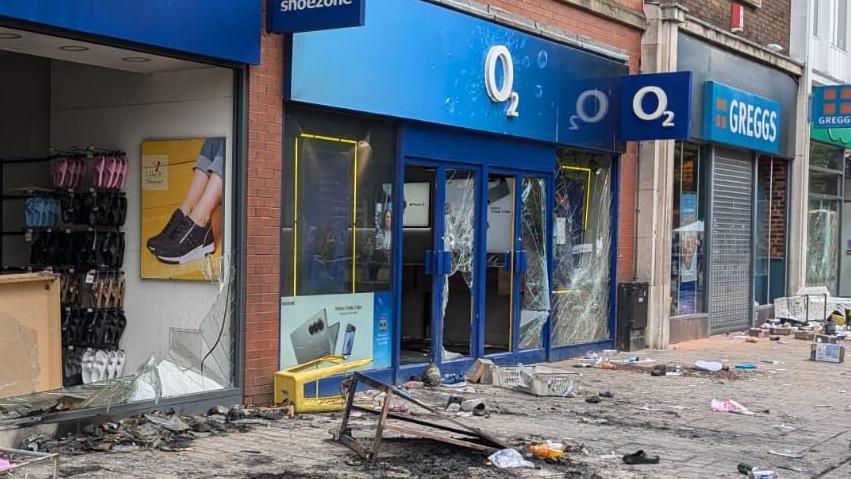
(355, 326)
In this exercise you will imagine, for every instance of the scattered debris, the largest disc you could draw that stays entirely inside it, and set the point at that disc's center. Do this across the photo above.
(481, 372)
(640, 457)
(729, 406)
(593, 399)
(746, 366)
(165, 431)
(437, 428)
(607, 394)
(787, 453)
(547, 450)
(659, 370)
(431, 377)
(509, 459)
(713, 366)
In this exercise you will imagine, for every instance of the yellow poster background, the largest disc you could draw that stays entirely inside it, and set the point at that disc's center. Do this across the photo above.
(167, 171)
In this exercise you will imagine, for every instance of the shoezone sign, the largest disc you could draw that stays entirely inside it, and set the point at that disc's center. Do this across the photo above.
(289, 16)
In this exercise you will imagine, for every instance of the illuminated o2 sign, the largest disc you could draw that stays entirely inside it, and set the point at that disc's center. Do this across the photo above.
(661, 106)
(499, 55)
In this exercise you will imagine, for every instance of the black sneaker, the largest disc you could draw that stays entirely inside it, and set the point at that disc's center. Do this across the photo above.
(189, 244)
(177, 219)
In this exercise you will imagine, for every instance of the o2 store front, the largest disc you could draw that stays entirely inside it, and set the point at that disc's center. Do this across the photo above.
(501, 244)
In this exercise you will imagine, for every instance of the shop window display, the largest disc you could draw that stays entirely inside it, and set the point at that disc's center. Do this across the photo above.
(582, 242)
(688, 238)
(337, 236)
(823, 216)
(76, 211)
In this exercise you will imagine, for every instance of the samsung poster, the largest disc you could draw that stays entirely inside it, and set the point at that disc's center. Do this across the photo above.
(355, 326)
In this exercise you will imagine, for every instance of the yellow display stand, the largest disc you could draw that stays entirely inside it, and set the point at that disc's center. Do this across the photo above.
(289, 384)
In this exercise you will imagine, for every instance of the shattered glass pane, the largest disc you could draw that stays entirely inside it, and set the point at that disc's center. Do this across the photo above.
(535, 305)
(198, 360)
(458, 236)
(823, 243)
(581, 248)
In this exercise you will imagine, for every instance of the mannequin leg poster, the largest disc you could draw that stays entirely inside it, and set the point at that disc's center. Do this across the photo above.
(182, 222)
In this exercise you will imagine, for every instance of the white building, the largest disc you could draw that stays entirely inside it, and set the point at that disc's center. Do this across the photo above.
(821, 226)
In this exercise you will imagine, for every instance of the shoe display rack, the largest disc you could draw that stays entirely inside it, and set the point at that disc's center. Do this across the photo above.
(73, 227)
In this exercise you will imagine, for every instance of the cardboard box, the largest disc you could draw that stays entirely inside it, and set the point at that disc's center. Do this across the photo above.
(780, 331)
(828, 353)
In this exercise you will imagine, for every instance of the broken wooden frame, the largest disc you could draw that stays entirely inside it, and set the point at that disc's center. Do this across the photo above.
(470, 437)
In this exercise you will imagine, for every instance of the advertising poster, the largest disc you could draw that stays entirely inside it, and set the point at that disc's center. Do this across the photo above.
(182, 227)
(356, 326)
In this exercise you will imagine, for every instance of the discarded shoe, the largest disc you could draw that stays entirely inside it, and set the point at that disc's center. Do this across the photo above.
(640, 457)
(659, 370)
(607, 394)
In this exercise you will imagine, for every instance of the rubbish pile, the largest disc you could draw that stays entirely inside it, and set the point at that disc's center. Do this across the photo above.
(164, 431)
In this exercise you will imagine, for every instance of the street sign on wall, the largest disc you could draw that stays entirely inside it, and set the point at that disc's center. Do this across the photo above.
(288, 16)
(656, 106)
(740, 118)
(832, 106)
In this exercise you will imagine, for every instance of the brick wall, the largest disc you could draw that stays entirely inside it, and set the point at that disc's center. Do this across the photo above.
(562, 15)
(262, 295)
(265, 114)
(765, 25)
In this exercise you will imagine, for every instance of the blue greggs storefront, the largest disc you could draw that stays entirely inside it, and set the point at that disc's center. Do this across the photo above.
(730, 214)
(122, 155)
(449, 193)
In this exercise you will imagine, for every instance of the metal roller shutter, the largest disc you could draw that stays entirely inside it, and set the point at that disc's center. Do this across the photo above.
(731, 249)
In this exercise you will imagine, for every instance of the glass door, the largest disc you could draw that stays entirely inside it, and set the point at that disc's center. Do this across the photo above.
(531, 264)
(500, 287)
(438, 270)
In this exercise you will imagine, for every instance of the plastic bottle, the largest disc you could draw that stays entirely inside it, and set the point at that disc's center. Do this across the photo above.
(546, 451)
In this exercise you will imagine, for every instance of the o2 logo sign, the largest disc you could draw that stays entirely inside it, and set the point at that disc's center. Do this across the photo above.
(661, 106)
(655, 106)
(500, 56)
(591, 107)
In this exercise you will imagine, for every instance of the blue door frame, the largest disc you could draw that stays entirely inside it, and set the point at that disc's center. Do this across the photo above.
(454, 149)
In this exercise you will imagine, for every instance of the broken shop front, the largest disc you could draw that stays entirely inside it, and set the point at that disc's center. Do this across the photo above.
(120, 156)
(449, 194)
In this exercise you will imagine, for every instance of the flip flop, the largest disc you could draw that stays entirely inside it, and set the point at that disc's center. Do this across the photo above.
(111, 366)
(640, 457)
(99, 366)
(119, 365)
(86, 365)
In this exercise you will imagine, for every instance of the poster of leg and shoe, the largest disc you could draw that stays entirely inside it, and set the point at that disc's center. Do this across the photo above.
(182, 224)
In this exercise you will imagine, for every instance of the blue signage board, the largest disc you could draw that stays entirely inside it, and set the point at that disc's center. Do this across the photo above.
(420, 61)
(219, 29)
(287, 16)
(739, 118)
(832, 106)
(656, 106)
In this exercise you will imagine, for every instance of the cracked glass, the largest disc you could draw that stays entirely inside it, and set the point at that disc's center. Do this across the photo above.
(535, 291)
(582, 242)
(198, 360)
(458, 239)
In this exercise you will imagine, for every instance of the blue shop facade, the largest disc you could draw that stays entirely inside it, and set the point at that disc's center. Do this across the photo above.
(449, 192)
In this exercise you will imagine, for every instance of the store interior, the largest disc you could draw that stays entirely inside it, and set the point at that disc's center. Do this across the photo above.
(73, 177)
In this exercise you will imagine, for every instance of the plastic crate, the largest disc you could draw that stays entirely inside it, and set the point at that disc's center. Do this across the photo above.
(289, 384)
(538, 380)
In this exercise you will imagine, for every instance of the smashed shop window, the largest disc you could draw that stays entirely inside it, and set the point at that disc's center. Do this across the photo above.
(582, 242)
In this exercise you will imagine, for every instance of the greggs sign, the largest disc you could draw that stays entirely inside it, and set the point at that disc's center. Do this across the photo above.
(739, 118)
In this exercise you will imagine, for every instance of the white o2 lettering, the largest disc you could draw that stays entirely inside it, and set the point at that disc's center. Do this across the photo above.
(661, 105)
(497, 55)
(602, 102)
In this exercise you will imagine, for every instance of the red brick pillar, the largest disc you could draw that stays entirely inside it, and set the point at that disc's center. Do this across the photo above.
(262, 295)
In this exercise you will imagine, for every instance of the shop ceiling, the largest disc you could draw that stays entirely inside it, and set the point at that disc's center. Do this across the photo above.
(20, 41)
